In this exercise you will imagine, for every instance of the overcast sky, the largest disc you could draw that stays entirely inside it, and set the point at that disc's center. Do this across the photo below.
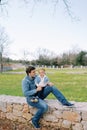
(43, 26)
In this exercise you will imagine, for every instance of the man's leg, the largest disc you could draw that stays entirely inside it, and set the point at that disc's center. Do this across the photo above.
(42, 107)
(57, 94)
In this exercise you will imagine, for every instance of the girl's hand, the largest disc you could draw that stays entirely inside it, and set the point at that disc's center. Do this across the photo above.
(50, 84)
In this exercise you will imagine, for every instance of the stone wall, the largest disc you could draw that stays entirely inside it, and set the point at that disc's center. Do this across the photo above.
(15, 114)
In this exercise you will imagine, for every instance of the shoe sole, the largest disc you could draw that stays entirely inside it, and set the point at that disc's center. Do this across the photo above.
(70, 106)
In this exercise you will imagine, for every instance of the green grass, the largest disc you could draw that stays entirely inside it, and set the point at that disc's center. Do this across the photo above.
(71, 82)
(10, 84)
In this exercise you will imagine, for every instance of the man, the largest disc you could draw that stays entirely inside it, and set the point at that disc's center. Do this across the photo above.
(31, 92)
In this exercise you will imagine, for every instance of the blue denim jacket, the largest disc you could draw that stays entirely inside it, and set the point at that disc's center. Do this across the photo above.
(28, 86)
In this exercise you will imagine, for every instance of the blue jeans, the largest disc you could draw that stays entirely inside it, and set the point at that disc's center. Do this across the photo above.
(41, 105)
(47, 90)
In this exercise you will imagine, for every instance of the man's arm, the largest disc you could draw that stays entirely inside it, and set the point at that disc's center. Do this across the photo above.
(25, 89)
(48, 81)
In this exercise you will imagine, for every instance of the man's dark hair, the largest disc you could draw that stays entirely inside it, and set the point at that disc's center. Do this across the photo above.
(29, 69)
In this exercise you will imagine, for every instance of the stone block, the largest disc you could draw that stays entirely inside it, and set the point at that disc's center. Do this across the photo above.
(17, 113)
(17, 107)
(9, 116)
(58, 114)
(77, 126)
(3, 106)
(25, 108)
(50, 117)
(9, 108)
(27, 116)
(2, 115)
(84, 116)
(66, 124)
(84, 123)
(71, 116)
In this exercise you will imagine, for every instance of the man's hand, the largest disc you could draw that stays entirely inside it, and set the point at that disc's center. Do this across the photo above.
(39, 88)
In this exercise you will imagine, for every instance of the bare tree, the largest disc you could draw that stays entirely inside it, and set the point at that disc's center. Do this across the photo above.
(4, 42)
(3, 7)
(33, 3)
(3, 2)
(25, 57)
(66, 3)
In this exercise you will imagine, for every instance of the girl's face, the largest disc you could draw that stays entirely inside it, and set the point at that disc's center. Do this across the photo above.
(41, 73)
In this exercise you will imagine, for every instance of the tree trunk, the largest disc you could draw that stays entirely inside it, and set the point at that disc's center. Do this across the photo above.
(1, 70)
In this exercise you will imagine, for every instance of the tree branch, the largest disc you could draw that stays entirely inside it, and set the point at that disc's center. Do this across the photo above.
(68, 8)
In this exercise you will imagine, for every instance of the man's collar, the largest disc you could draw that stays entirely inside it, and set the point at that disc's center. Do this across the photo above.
(31, 78)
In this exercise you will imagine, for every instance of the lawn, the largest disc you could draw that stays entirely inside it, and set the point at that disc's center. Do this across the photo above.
(71, 82)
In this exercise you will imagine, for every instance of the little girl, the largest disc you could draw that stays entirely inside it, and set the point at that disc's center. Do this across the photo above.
(42, 80)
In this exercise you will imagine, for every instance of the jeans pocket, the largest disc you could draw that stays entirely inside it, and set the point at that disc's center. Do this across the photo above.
(33, 99)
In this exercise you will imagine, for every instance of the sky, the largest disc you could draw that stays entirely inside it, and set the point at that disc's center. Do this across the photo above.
(44, 25)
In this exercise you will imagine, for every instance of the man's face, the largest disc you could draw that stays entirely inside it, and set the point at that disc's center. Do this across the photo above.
(32, 74)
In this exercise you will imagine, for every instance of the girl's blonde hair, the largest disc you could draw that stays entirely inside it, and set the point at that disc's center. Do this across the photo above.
(41, 69)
